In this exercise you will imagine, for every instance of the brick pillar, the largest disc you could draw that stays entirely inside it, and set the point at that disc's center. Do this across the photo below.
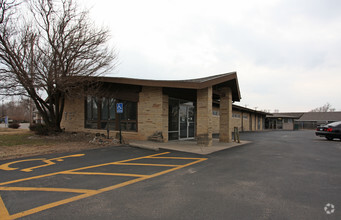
(204, 116)
(150, 112)
(225, 133)
(165, 106)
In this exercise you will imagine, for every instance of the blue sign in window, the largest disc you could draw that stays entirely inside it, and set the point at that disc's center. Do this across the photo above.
(119, 108)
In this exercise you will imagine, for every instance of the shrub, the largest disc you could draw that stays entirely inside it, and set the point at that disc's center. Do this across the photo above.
(14, 125)
(39, 129)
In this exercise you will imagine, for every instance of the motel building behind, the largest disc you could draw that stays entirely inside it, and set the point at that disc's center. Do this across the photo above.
(177, 110)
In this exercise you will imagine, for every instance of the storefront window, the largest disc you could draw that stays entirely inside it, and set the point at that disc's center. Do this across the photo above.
(129, 116)
(91, 112)
(105, 109)
(101, 114)
(173, 119)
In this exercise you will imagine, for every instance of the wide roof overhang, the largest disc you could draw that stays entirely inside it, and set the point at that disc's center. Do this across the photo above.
(216, 81)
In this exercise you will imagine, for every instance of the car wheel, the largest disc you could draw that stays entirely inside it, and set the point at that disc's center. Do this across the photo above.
(329, 138)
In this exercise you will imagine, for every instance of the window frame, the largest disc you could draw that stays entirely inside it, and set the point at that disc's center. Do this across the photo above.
(99, 119)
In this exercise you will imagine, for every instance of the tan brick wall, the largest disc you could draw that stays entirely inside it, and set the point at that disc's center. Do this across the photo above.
(73, 120)
(288, 126)
(255, 119)
(252, 122)
(246, 125)
(225, 115)
(151, 113)
(204, 127)
(73, 117)
(237, 122)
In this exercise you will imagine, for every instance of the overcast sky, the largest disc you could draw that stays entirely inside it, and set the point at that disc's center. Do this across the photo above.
(287, 53)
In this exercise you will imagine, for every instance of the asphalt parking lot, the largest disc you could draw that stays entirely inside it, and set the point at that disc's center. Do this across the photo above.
(281, 175)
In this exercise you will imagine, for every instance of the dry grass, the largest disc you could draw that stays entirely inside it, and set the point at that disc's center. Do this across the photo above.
(16, 143)
(14, 131)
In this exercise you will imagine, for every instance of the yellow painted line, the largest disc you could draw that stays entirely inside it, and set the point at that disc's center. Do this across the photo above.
(149, 164)
(4, 215)
(117, 162)
(87, 193)
(77, 169)
(150, 176)
(45, 189)
(48, 162)
(28, 178)
(177, 168)
(51, 205)
(75, 198)
(6, 167)
(106, 174)
(180, 158)
(154, 155)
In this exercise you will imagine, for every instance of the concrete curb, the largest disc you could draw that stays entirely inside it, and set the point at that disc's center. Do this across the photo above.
(185, 146)
(143, 146)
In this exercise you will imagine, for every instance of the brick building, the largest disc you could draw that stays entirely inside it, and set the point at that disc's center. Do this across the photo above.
(282, 121)
(177, 110)
(245, 119)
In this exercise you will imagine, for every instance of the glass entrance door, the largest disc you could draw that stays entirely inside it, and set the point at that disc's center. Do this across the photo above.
(186, 120)
(181, 119)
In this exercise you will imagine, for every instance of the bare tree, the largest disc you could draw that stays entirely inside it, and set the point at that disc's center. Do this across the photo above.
(51, 52)
(325, 108)
(18, 110)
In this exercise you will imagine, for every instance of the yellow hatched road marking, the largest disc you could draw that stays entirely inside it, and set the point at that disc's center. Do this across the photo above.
(154, 155)
(106, 174)
(51, 205)
(149, 164)
(3, 211)
(85, 193)
(77, 169)
(180, 158)
(75, 198)
(45, 189)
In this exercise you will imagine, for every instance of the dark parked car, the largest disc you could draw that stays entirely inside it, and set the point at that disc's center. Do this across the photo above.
(329, 131)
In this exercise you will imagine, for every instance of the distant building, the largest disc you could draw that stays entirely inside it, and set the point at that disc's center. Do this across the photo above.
(311, 120)
(245, 119)
(300, 120)
(282, 121)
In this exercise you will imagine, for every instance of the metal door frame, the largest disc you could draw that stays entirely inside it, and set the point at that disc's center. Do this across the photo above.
(188, 123)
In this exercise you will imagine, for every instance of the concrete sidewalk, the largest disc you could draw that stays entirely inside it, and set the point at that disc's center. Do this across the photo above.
(189, 146)
(22, 125)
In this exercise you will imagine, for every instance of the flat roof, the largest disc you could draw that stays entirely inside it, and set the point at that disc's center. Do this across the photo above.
(321, 116)
(226, 79)
(285, 115)
(248, 109)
